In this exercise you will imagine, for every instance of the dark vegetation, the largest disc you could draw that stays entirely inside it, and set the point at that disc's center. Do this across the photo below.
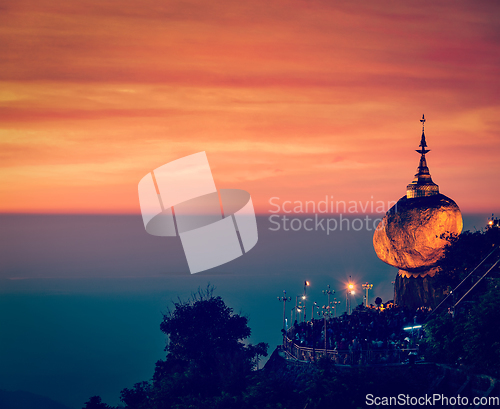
(468, 335)
(463, 253)
(209, 366)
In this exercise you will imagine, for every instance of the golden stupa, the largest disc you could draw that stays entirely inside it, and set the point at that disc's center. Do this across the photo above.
(414, 232)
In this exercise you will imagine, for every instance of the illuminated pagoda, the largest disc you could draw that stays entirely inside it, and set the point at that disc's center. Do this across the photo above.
(422, 184)
(413, 234)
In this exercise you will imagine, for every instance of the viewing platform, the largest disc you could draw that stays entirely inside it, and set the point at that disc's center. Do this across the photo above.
(347, 357)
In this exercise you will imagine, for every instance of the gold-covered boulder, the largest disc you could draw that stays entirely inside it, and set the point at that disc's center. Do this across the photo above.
(414, 232)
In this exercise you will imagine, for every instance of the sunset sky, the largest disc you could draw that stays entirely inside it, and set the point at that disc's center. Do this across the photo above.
(290, 99)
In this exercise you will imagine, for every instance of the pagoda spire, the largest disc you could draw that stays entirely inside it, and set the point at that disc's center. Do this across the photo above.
(423, 144)
(422, 184)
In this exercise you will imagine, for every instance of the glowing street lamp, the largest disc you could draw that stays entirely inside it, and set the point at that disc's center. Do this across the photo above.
(350, 291)
(328, 292)
(284, 299)
(306, 284)
(334, 306)
(350, 301)
(315, 305)
(367, 287)
(326, 312)
(297, 308)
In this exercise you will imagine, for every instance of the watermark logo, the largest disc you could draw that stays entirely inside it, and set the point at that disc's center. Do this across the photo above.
(180, 199)
(282, 218)
(435, 399)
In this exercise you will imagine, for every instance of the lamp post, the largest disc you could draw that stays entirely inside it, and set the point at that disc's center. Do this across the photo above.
(299, 310)
(334, 303)
(328, 292)
(347, 301)
(350, 291)
(394, 291)
(315, 305)
(326, 312)
(284, 299)
(306, 284)
(350, 301)
(312, 330)
(367, 287)
(298, 307)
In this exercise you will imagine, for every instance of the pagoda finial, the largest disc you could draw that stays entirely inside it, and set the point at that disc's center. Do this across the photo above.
(423, 144)
(422, 184)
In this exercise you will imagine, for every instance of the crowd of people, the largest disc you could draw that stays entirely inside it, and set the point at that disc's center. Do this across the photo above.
(367, 328)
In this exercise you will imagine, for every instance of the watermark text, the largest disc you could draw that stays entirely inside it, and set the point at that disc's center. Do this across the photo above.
(430, 400)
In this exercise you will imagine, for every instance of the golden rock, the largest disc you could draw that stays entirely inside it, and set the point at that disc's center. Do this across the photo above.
(414, 232)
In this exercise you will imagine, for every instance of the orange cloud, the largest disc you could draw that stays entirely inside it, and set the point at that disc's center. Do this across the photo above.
(296, 99)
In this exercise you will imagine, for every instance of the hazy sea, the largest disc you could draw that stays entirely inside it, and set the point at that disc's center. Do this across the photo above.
(82, 296)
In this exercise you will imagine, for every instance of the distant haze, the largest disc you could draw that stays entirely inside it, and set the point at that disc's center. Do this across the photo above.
(81, 296)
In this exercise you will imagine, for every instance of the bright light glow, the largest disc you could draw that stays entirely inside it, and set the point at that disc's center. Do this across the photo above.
(308, 283)
(352, 292)
(414, 327)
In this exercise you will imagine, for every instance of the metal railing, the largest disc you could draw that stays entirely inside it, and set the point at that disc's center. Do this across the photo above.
(347, 357)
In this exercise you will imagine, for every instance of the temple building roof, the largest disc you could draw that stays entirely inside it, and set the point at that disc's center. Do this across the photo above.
(422, 184)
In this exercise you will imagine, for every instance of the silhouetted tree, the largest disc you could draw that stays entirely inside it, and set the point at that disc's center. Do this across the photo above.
(205, 340)
(468, 334)
(207, 365)
(95, 402)
(463, 253)
(138, 397)
(471, 337)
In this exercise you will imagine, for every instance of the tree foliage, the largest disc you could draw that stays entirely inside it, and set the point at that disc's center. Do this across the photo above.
(468, 335)
(463, 253)
(207, 364)
(201, 331)
(137, 397)
(325, 385)
(471, 337)
(95, 402)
